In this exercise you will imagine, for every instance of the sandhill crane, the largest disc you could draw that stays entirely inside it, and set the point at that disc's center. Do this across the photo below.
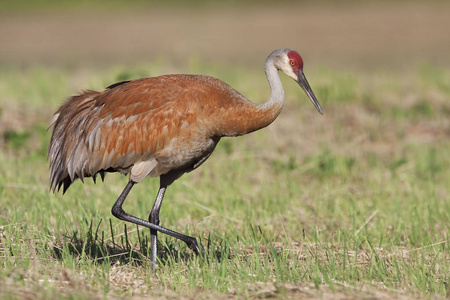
(159, 127)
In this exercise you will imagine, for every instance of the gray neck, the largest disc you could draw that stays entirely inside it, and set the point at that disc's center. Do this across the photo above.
(276, 99)
(254, 116)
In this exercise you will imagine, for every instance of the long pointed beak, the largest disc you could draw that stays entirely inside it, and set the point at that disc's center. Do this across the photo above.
(305, 86)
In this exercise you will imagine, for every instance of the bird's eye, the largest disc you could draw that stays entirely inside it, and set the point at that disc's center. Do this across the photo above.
(292, 62)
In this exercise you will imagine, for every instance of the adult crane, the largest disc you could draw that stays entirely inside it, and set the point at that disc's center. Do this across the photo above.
(159, 127)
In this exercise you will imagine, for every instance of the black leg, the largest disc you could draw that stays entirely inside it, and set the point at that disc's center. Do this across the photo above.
(154, 219)
(118, 212)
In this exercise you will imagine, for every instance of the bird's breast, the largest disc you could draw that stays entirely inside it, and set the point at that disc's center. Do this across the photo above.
(182, 153)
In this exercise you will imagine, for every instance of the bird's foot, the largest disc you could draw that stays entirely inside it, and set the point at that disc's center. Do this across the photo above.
(194, 246)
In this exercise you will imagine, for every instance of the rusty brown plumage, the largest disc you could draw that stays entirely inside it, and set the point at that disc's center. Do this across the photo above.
(173, 119)
(161, 126)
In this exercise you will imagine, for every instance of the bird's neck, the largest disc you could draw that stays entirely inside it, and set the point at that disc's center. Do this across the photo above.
(253, 116)
(274, 105)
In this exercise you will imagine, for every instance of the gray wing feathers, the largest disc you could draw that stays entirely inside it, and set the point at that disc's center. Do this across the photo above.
(68, 152)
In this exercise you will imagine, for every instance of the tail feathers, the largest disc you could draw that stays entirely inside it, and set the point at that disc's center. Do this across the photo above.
(55, 186)
(102, 175)
(66, 182)
(64, 149)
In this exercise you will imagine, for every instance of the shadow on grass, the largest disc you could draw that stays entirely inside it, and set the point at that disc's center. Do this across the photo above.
(117, 248)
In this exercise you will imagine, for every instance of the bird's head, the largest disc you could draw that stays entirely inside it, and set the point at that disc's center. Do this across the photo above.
(291, 63)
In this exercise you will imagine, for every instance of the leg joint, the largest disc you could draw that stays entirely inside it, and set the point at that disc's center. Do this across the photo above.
(118, 212)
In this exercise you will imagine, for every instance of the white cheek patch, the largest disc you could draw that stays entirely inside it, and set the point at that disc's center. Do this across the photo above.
(291, 74)
(287, 68)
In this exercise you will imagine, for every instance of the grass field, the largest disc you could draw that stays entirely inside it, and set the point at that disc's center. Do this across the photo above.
(352, 204)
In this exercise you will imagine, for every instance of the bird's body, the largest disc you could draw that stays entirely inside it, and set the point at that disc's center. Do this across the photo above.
(149, 127)
(161, 126)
